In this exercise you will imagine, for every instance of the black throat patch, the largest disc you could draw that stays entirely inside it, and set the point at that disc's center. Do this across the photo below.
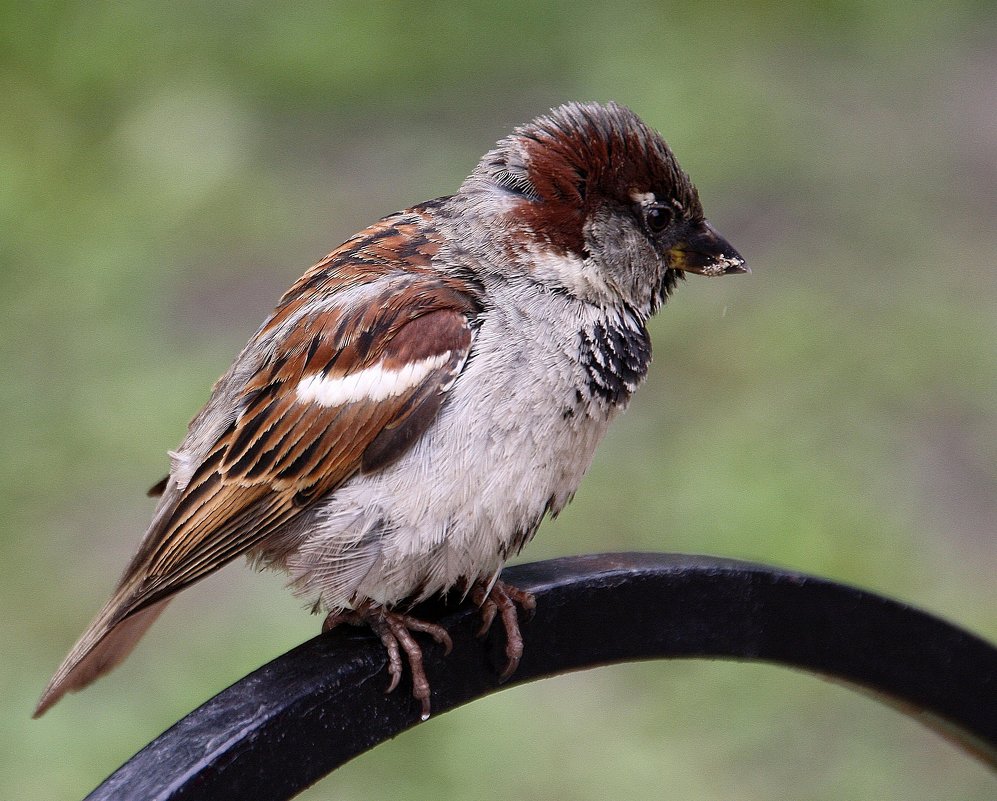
(615, 356)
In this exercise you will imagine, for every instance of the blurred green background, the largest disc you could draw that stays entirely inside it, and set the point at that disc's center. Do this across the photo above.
(167, 170)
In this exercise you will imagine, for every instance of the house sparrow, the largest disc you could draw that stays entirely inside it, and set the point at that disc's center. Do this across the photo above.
(423, 396)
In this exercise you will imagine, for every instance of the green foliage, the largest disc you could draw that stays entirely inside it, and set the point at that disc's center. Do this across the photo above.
(167, 169)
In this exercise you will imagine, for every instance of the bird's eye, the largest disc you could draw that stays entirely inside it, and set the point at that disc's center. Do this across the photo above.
(658, 218)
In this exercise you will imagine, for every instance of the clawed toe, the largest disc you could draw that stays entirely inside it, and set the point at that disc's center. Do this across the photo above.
(395, 632)
(505, 601)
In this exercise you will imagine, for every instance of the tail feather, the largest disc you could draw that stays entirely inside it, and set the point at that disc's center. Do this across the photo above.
(105, 644)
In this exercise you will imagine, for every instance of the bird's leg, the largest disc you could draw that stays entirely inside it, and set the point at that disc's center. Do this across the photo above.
(395, 631)
(505, 600)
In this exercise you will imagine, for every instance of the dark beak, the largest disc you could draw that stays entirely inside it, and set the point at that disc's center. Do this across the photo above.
(705, 252)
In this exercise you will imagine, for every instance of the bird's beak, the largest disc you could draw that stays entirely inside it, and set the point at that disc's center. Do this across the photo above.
(705, 252)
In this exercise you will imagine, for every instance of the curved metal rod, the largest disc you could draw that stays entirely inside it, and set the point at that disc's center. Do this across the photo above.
(294, 720)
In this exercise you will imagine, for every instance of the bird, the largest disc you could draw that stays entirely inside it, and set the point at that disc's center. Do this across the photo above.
(429, 392)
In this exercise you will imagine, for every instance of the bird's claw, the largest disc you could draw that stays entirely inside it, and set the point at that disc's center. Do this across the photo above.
(395, 631)
(504, 600)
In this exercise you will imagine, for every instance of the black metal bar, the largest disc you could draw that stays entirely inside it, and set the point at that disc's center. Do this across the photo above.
(299, 717)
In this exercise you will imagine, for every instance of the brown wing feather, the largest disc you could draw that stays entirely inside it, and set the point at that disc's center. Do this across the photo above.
(282, 453)
(297, 453)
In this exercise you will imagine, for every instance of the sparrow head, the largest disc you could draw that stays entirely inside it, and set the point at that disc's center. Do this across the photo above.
(593, 201)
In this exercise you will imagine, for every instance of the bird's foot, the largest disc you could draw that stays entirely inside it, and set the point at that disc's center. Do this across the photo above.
(395, 631)
(504, 600)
